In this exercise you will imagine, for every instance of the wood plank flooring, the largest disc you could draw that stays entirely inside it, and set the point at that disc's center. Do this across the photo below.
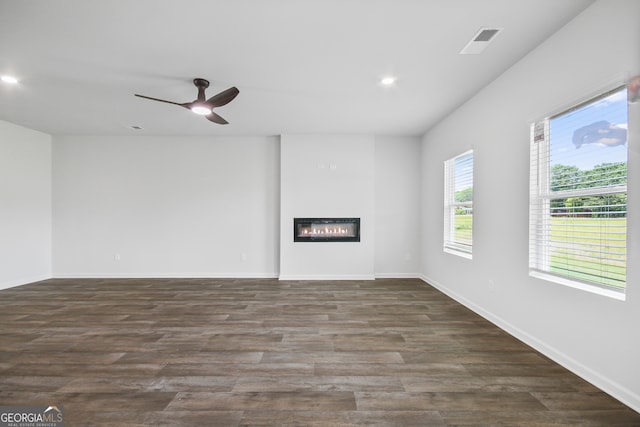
(205, 352)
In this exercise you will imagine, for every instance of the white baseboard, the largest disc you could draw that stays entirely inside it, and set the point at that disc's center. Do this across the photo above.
(326, 277)
(218, 275)
(398, 276)
(23, 281)
(165, 276)
(623, 394)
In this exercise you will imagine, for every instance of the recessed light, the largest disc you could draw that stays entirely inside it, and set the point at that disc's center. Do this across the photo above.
(387, 81)
(9, 79)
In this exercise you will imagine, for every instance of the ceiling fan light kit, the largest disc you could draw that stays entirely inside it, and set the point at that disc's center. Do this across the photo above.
(203, 106)
(201, 110)
(9, 79)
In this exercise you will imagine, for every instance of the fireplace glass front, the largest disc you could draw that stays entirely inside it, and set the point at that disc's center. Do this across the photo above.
(326, 229)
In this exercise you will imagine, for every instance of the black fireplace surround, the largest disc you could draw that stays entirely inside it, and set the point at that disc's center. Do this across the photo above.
(326, 229)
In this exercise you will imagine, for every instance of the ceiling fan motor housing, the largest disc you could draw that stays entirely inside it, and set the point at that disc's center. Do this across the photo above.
(201, 83)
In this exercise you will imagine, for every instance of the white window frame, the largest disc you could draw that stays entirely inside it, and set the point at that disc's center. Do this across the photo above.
(450, 244)
(540, 202)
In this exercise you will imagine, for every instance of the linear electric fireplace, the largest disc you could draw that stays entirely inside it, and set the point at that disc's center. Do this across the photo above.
(326, 229)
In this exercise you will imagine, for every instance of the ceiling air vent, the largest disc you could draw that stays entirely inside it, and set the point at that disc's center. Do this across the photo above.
(480, 41)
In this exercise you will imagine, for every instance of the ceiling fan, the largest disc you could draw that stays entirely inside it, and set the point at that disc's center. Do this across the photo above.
(203, 106)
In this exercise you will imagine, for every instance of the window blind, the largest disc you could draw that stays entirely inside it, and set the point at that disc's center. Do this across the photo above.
(458, 204)
(578, 193)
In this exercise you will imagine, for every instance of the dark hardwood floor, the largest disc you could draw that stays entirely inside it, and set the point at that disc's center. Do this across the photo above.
(205, 352)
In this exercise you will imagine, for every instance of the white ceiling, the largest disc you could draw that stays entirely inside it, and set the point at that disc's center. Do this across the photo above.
(302, 66)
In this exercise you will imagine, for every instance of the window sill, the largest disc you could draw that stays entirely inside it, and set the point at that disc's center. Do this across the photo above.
(619, 295)
(466, 255)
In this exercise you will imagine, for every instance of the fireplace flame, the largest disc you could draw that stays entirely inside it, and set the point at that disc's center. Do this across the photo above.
(325, 231)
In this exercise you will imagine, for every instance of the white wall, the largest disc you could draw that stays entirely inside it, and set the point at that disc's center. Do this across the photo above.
(327, 176)
(25, 205)
(165, 206)
(397, 206)
(593, 335)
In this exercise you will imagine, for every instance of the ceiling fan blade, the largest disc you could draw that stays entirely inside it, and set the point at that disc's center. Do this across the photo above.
(223, 98)
(185, 105)
(213, 117)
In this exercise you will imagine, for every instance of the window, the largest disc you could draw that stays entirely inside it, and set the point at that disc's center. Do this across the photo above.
(578, 196)
(458, 204)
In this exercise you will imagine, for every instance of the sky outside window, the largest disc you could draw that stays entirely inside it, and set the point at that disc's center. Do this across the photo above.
(591, 135)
